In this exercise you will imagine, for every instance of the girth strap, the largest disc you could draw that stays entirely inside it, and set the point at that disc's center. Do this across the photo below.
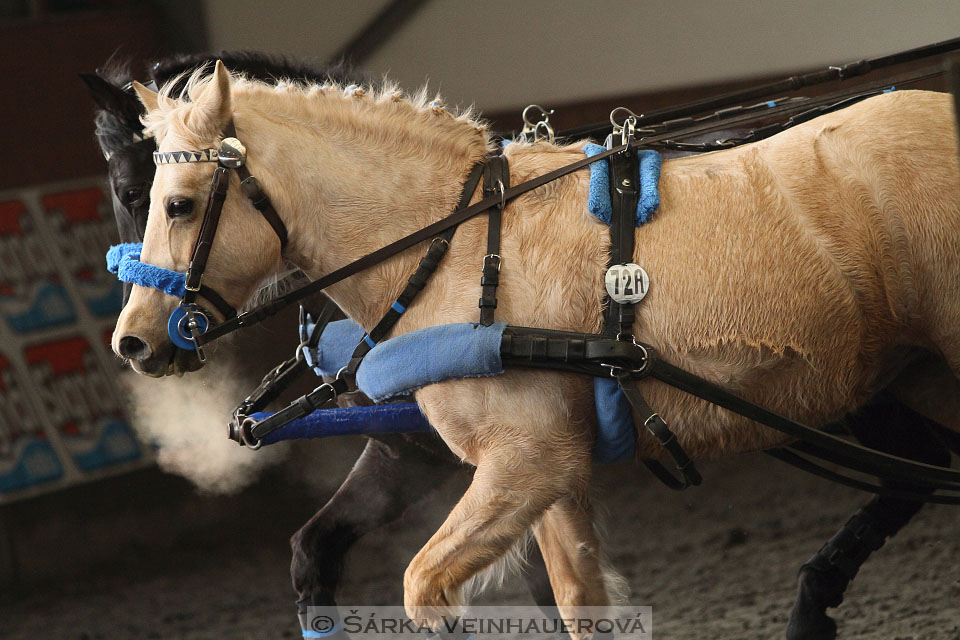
(496, 180)
(619, 319)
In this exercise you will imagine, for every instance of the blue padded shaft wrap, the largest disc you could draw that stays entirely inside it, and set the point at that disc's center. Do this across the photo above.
(387, 418)
(406, 363)
(336, 345)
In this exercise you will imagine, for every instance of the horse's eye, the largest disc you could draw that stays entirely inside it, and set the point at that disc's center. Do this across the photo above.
(179, 207)
(133, 195)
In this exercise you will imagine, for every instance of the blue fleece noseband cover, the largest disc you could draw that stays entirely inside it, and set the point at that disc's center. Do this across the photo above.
(124, 260)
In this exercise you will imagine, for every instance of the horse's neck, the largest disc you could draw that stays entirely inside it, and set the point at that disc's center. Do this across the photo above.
(346, 194)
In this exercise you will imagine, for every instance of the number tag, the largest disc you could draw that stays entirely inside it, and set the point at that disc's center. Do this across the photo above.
(627, 283)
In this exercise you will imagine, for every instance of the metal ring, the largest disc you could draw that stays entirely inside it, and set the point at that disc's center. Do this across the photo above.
(503, 193)
(299, 354)
(246, 434)
(337, 377)
(544, 115)
(195, 312)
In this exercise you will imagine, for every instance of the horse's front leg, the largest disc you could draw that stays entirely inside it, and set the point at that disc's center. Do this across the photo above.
(531, 450)
(823, 578)
(390, 475)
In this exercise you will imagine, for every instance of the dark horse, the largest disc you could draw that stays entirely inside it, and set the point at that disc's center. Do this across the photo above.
(394, 472)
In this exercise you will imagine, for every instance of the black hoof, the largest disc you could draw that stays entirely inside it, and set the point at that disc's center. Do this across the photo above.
(810, 624)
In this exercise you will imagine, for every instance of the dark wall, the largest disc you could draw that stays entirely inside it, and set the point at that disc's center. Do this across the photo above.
(47, 131)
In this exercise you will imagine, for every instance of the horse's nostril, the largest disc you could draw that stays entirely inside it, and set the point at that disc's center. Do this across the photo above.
(133, 348)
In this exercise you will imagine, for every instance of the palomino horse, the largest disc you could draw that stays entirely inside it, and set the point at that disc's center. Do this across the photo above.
(798, 271)
(395, 470)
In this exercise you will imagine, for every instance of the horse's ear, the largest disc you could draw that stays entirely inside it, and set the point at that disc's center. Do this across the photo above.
(214, 106)
(112, 98)
(147, 97)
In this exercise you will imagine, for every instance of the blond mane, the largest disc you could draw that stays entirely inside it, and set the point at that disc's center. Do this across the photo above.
(384, 103)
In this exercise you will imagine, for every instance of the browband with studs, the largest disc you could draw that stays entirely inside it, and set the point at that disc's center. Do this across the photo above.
(180, 157)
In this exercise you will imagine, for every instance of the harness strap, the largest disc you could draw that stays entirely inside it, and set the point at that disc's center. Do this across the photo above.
(261, 202)
(208, 229)
(667, 439)
(415, 284)
(624, 195)
(251, 432)
(496, 179)
(217, 301)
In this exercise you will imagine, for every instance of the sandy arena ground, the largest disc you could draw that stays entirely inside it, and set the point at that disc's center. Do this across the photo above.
(716, 562)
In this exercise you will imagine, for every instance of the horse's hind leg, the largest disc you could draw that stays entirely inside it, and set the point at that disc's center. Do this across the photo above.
(892, 428)
(570, 548)
(390, 475)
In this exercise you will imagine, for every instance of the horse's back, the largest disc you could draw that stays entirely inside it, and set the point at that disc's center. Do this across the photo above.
(794, 267)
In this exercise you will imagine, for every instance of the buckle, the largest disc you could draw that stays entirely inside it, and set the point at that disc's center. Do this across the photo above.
(193, 289)
(489, 258)
(616, 370)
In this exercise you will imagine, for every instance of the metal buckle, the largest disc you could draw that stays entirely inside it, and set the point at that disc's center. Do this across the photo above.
(490, 257)
(617, 370)
(195, 289)
(655, 415)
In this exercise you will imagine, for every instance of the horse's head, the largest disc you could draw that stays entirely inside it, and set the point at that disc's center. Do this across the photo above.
(128, 153)
(245, 249)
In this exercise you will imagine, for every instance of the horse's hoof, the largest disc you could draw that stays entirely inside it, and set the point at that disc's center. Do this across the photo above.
(810, 625)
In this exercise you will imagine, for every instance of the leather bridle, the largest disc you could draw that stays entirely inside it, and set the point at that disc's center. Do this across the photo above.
(190, 320)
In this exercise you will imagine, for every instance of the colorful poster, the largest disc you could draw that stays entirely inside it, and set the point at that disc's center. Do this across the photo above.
(26, 456)
(60, 416)
(32, 294)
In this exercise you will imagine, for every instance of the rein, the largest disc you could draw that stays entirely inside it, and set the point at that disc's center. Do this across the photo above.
(810, 108)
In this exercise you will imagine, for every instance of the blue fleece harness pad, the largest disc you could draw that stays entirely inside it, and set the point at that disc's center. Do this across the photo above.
(599, 200)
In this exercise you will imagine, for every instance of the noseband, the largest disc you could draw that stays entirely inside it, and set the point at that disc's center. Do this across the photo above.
(189, 320)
